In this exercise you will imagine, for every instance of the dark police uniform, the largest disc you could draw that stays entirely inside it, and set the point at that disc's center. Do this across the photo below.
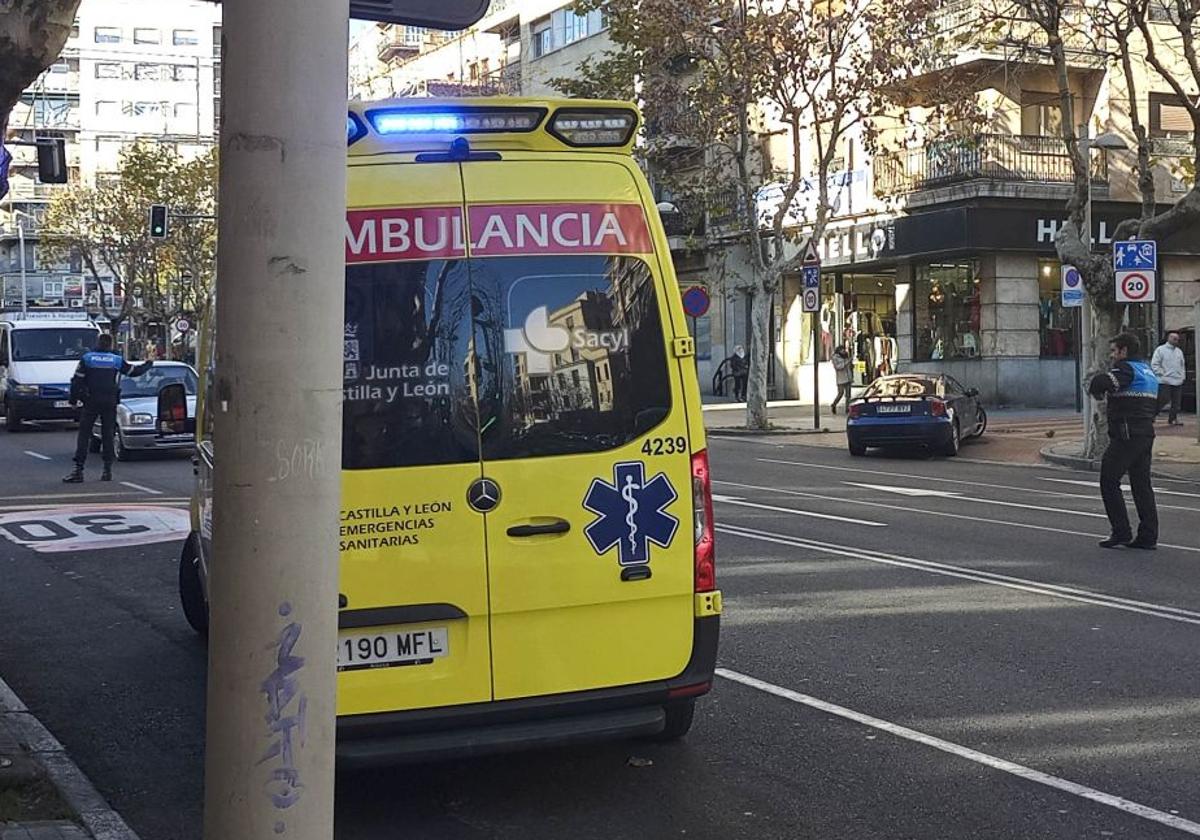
(96, 385)
(1132, 395)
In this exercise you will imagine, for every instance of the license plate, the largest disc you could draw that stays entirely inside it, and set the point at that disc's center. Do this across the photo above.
(389, 648)
(902, 408)
(62, 403)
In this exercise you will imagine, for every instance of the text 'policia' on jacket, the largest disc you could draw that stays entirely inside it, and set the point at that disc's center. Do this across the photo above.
(1132, 398)
(526, 532)
(96, 377)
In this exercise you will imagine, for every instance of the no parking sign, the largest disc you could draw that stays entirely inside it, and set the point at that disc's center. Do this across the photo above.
(1072, 286)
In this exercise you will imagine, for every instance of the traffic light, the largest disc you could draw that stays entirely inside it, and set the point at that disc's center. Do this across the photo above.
(52, 160)
(158, 221)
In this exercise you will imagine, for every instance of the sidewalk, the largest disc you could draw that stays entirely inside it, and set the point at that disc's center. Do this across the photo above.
(1013, 436)
(1176, 452)
(41, 786)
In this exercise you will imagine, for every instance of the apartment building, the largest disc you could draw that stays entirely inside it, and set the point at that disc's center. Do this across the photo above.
(132, 70)
(941, 254)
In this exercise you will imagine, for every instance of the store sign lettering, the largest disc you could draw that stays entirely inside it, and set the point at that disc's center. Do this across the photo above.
(1047, 229)
(496, 230)
(864, 243)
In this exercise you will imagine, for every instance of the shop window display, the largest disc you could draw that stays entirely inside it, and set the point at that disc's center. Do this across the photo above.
(1056, 323)
(947, 311)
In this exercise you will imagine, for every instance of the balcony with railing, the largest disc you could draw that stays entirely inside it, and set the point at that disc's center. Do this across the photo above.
(1007, 162)
(1175, 147)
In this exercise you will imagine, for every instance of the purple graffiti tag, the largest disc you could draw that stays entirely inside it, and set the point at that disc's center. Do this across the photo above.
(286, 730)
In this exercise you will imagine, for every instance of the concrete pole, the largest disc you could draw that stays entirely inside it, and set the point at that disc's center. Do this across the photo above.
(277, 399)
(21, 245)
(1089, 404)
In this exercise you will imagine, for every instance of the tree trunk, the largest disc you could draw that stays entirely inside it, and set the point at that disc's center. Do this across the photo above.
(1106, 323)
(32, 34)
(760, 357)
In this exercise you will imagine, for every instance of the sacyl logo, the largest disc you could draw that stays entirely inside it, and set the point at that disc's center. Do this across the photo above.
(541, 338)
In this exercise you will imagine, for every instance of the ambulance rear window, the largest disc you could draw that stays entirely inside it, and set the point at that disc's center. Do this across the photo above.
(578, 361)
(566, 355)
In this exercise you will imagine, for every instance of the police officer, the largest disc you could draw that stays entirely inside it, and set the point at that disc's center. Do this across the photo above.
(1131, 390)
(95, 385)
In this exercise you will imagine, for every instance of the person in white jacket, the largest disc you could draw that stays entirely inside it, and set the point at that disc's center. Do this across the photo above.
(1168, 365)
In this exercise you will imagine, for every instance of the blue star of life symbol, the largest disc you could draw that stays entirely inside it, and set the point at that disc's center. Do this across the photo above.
(630, 513)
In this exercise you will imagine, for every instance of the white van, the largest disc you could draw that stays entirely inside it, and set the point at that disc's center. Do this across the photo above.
(38, 356)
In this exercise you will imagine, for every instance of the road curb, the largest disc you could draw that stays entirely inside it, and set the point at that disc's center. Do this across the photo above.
(1076, 462)
(98, 818)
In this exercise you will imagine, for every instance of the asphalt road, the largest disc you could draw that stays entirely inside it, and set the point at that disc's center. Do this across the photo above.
(911, 648)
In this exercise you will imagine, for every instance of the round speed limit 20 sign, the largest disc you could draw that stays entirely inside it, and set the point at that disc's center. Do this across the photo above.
(91, 527)
(1135, 286)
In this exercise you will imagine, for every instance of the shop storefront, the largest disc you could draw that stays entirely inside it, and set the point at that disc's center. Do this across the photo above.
(972, 291)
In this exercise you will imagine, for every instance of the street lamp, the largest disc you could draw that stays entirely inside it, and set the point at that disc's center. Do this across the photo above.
(1108, 141)
(21, 244)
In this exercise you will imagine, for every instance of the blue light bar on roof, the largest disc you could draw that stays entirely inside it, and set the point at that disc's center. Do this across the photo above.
(410, 121)
(355, 130)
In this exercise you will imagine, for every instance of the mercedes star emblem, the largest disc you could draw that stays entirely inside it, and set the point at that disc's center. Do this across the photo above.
(483, 495)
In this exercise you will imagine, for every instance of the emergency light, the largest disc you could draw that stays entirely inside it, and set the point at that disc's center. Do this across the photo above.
(455, 121)
(593, 126)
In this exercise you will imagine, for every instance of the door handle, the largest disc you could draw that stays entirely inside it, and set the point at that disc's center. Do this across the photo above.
(558, 526)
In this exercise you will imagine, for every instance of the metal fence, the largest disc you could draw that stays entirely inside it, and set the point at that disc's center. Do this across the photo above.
(987, 157)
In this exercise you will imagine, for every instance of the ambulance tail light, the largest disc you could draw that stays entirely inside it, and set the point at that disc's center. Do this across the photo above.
(581, 127)
(425, 121)
(706, 559)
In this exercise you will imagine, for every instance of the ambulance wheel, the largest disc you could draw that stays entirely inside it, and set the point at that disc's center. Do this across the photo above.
(679, 720)
(191, 593)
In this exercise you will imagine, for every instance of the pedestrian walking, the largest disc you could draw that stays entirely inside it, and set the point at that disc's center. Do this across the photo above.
(1168, 365)
(96, 385)
(1131, 392)
(740, 369)
(843, 370)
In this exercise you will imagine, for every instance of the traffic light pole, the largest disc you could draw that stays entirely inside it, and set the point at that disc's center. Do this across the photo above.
(277, 406)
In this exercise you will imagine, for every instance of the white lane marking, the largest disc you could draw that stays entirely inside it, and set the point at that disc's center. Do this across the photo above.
(1050, 590)
(906, 491)
(176, 501)
(1021, 771)
(1123, 486)
(61, 496)
(941, 513)
(144, 489)
(38, 455)
(734, 500)
(960, 497)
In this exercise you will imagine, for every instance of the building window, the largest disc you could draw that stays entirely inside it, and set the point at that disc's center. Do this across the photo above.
(147, 36)
(1163, 11)
(185, 73)
(947, 310)
(1056, 323)
(148, 72)
(185, 38)
(59, 67)
(543, 38)
(564, 27)
(1041, 114)
(185, 110)
(52, 288)
(108, 70)
(1169, 117)
(108, 35)
(106, 108)
(147, 109)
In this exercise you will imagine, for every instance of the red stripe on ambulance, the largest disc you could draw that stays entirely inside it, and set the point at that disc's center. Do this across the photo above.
(496, 230)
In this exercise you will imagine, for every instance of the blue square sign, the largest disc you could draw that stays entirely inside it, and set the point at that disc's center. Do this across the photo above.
(1133, 254)
(812, 276)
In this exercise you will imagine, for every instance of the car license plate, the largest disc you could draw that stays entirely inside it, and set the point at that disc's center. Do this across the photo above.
(62, 403)
(900, 408)
(382, 648)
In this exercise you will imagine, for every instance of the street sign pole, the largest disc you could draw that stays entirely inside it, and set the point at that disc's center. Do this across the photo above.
(811, 303)
(269, 762)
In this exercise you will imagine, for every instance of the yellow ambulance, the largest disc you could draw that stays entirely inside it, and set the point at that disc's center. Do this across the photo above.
(526, 526)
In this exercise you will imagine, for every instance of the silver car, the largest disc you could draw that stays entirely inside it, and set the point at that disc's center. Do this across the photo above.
(139, 406)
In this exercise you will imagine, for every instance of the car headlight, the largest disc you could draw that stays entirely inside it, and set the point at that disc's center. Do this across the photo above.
(26, 390)
(141, 419)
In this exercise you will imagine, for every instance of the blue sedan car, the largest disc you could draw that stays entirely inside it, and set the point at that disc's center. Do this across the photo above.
(917, 409)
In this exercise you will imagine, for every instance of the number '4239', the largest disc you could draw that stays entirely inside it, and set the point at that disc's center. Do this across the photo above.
(665, 446)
